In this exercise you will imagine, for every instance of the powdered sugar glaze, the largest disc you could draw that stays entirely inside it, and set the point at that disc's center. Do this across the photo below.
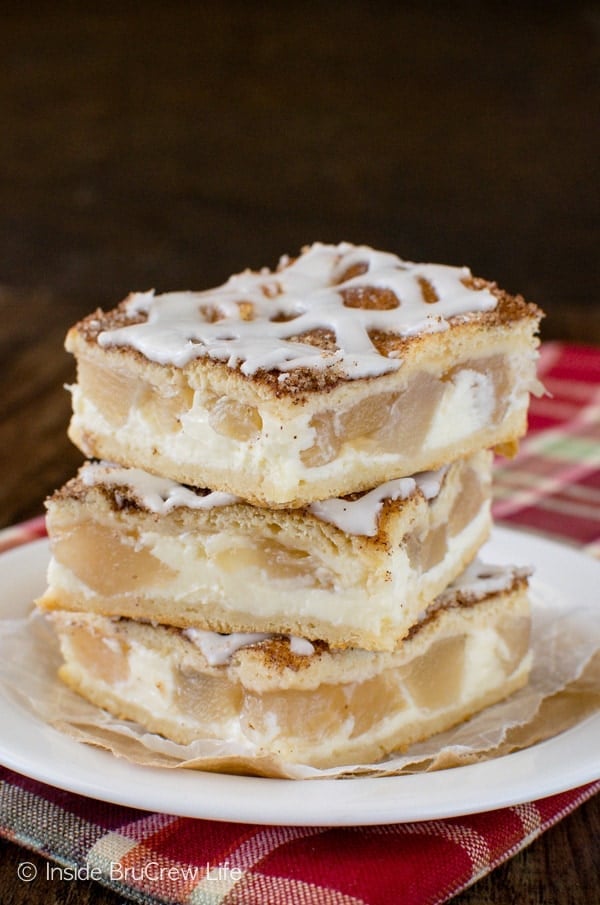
(361, 515)
(157, 494)
(252, 321)
(218, 649)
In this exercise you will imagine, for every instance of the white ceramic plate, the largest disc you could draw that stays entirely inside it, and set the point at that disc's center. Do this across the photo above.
(29, 746)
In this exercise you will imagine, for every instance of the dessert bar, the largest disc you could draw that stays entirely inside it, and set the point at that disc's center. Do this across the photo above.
(355, 571)
(302, 701)
(339, 370)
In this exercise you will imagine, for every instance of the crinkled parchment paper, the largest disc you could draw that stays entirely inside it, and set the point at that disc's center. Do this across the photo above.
(564, 689)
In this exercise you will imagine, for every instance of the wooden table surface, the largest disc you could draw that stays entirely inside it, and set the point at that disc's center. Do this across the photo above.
(167, 145)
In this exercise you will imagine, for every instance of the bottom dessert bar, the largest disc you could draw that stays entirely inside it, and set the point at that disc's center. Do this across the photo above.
(302, 701)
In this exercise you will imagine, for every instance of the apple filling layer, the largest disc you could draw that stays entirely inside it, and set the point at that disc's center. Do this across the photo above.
(354, 572)
(379, 423)
(289, 455)
(320, 707)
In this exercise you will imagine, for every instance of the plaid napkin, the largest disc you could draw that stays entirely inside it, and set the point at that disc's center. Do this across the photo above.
(553, 486)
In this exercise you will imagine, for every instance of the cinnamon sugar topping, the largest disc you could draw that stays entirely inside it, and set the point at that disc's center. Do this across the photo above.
(357, 514)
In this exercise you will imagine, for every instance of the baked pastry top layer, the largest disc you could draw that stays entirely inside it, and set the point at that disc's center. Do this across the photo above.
(339, 310)
(355, 571)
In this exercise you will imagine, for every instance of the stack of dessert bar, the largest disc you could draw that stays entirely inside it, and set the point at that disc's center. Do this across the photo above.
(275, 540)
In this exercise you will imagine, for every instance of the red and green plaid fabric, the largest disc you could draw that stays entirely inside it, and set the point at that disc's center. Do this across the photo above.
(552, 486)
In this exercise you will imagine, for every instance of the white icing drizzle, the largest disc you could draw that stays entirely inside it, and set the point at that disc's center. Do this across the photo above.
(360, 516)
(302, 296)
(218, 649)
(301, 646)
(481, 579)
(159, 495)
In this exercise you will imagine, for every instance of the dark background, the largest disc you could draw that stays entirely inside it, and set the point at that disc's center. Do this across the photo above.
(169, 144)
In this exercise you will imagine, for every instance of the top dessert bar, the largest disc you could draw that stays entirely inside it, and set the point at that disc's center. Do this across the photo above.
(343, 368)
